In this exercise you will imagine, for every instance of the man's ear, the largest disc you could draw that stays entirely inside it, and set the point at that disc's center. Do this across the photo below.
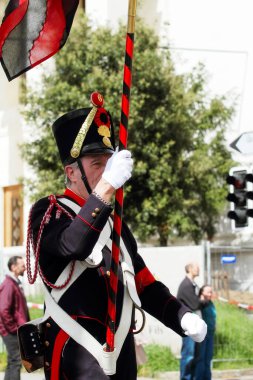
(70, 173)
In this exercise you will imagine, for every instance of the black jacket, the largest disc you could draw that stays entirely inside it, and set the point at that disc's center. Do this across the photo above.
(65, 239)
(187, 294)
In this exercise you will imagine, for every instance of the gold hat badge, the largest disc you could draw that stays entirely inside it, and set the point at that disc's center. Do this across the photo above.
(97, 101)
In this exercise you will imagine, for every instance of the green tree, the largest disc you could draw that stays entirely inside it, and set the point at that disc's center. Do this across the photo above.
(176, 131)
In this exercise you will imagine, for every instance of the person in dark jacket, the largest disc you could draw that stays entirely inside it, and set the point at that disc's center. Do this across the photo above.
(188, 295)
(13, 313)
(68, 236)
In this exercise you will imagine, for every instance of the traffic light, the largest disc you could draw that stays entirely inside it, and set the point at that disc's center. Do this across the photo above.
(249, 179)
(238, 197)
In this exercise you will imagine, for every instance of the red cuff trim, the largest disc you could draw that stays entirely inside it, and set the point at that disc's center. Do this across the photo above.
(143, 279)
(85, 221)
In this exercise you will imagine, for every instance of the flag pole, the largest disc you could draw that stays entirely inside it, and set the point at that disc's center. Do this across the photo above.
(118, 211)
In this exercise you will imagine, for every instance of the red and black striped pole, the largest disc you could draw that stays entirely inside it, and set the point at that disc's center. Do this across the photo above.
(118, 211)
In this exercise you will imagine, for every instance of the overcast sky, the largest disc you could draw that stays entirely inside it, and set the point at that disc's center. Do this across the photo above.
(218, 33)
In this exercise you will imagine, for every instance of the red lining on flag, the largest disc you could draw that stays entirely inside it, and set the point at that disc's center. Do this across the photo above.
(49, 40)
(11, 22)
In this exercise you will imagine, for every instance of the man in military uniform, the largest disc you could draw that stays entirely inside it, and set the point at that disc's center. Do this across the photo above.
(73, 250)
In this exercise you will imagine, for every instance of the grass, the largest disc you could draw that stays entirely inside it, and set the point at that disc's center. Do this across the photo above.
(233, 338)
(160, 359)
(36, 299)
(2, 361)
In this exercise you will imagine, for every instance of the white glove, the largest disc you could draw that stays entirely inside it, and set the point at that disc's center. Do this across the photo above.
(118, 168)
(194, 327)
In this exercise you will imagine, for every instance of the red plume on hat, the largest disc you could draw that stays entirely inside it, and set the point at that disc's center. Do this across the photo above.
(84, 131)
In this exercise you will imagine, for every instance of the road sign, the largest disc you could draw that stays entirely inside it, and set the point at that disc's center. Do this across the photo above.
(244, 143)
(228, 259)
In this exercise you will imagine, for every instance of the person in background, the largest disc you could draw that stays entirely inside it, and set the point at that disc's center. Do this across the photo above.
(13, 313)
(203, 363)
(188, 295)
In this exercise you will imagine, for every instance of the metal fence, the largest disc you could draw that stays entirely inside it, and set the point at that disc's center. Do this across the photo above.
(231, 278)
(231, 271)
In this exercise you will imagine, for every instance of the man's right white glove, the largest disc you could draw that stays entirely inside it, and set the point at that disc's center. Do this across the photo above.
(194, 326)
(118, 168)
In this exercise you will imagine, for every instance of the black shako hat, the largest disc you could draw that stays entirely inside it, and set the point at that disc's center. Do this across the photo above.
(84, 131)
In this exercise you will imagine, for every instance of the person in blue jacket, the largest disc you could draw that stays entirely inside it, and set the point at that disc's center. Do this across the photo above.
(203, 364)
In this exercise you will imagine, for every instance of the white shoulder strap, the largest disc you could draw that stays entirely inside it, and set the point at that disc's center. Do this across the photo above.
(107, 360)
(68, 202)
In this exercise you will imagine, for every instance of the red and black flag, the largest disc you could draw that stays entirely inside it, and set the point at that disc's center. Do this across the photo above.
(32, 31)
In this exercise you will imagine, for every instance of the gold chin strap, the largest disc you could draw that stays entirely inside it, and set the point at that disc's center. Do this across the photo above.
(76, 148)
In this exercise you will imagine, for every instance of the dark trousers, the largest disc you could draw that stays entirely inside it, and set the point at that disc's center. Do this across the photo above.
(189, 351)
(187, 356)
(203, 365)
(13, 368)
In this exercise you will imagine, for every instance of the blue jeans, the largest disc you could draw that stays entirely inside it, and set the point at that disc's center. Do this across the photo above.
(13, 368)
(187, 359)
(203, 364)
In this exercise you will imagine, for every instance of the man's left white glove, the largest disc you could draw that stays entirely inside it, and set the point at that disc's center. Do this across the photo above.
(194, 327)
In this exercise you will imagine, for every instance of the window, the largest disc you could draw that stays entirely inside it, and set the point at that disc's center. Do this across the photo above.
(13, 216)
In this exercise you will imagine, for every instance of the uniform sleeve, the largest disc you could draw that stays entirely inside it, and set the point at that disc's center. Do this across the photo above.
(72, 239)
(155, 297)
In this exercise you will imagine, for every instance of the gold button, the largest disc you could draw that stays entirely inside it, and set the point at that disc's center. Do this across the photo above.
(47, 364)
(47, 344)
(48, 324)
(97, 210)
(94, 215)
(108, 273)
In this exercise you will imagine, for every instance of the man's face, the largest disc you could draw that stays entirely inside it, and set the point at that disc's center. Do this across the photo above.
(19, 268)
(194, 270)
(94, 166)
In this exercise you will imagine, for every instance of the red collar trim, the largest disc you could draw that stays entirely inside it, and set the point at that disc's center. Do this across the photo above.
(70, 193)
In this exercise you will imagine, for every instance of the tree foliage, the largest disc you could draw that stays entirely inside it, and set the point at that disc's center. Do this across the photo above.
(176, 131)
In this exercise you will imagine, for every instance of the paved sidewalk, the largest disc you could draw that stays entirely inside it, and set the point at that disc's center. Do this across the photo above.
(244, 374)
(37, 375)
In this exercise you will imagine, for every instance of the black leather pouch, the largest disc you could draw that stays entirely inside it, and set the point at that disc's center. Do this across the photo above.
(30, 337)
